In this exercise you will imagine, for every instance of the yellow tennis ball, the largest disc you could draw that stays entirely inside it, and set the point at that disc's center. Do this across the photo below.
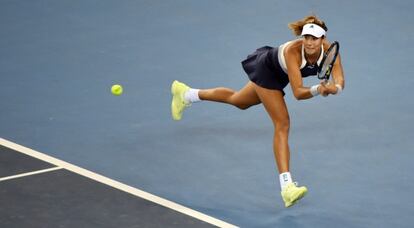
(116, 90)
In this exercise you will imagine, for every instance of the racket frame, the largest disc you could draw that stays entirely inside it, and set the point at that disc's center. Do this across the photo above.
(328, 72)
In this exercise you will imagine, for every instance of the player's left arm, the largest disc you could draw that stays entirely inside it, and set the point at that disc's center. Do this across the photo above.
(338, 72)
(337, 78)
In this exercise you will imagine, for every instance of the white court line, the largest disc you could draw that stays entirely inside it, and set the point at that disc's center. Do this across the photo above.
(116, 184)
(30, 173)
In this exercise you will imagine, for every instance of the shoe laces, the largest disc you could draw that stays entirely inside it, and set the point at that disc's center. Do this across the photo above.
(295, 184)
(187, 104)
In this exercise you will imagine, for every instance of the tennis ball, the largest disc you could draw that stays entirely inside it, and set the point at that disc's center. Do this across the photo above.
(116, 90)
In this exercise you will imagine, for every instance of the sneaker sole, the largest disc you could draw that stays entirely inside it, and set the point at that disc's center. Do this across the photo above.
(174, 93)
(297, 197)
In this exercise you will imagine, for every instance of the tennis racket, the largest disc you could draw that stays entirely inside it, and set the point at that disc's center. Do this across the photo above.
(328, 60)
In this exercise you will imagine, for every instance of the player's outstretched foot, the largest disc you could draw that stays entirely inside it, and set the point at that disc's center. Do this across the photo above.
(292, 193)
(178, 103)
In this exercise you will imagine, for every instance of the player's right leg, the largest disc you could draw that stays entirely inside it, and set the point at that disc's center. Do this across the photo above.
(242, 99)
(178, 103)
(183, 96)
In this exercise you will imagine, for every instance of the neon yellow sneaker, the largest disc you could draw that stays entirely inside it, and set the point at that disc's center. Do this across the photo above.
(291, 194)
(178, 103)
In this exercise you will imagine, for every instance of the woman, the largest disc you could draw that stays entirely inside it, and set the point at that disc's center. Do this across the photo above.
(270, 70)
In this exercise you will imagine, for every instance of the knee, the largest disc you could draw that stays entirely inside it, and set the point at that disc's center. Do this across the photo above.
(242, 106)
(238, 103)
(282, 125)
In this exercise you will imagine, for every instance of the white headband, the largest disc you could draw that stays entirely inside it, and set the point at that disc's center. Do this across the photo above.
(314, 30)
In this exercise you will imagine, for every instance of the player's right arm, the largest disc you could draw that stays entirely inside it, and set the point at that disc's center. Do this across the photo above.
(293, 60)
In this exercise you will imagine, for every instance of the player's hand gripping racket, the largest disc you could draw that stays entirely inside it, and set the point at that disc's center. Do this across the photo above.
(328, 60)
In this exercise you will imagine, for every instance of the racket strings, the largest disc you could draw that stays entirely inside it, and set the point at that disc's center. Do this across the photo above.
(327, 64)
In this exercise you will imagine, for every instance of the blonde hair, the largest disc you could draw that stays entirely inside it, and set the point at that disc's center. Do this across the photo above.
(297, 26)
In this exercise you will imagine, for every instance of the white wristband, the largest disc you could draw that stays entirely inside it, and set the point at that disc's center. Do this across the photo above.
(314, 90)
(339, 89)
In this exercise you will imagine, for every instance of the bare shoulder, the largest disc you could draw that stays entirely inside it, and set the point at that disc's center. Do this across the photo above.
(294, 49)
(326, 44)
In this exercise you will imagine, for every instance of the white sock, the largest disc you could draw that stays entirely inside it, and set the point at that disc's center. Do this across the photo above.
(285, 179)
(191, 96)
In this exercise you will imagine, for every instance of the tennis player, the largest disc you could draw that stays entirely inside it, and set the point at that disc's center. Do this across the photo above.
(270, 70)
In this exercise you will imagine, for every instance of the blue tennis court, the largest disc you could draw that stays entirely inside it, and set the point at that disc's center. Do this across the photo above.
(59, 59)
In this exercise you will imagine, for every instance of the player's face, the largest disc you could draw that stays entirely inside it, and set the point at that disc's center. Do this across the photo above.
(312, 44)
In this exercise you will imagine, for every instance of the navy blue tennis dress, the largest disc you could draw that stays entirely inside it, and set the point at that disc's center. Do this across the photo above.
(266, 67)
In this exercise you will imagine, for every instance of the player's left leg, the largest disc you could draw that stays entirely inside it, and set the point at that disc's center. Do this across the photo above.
(275, 106)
